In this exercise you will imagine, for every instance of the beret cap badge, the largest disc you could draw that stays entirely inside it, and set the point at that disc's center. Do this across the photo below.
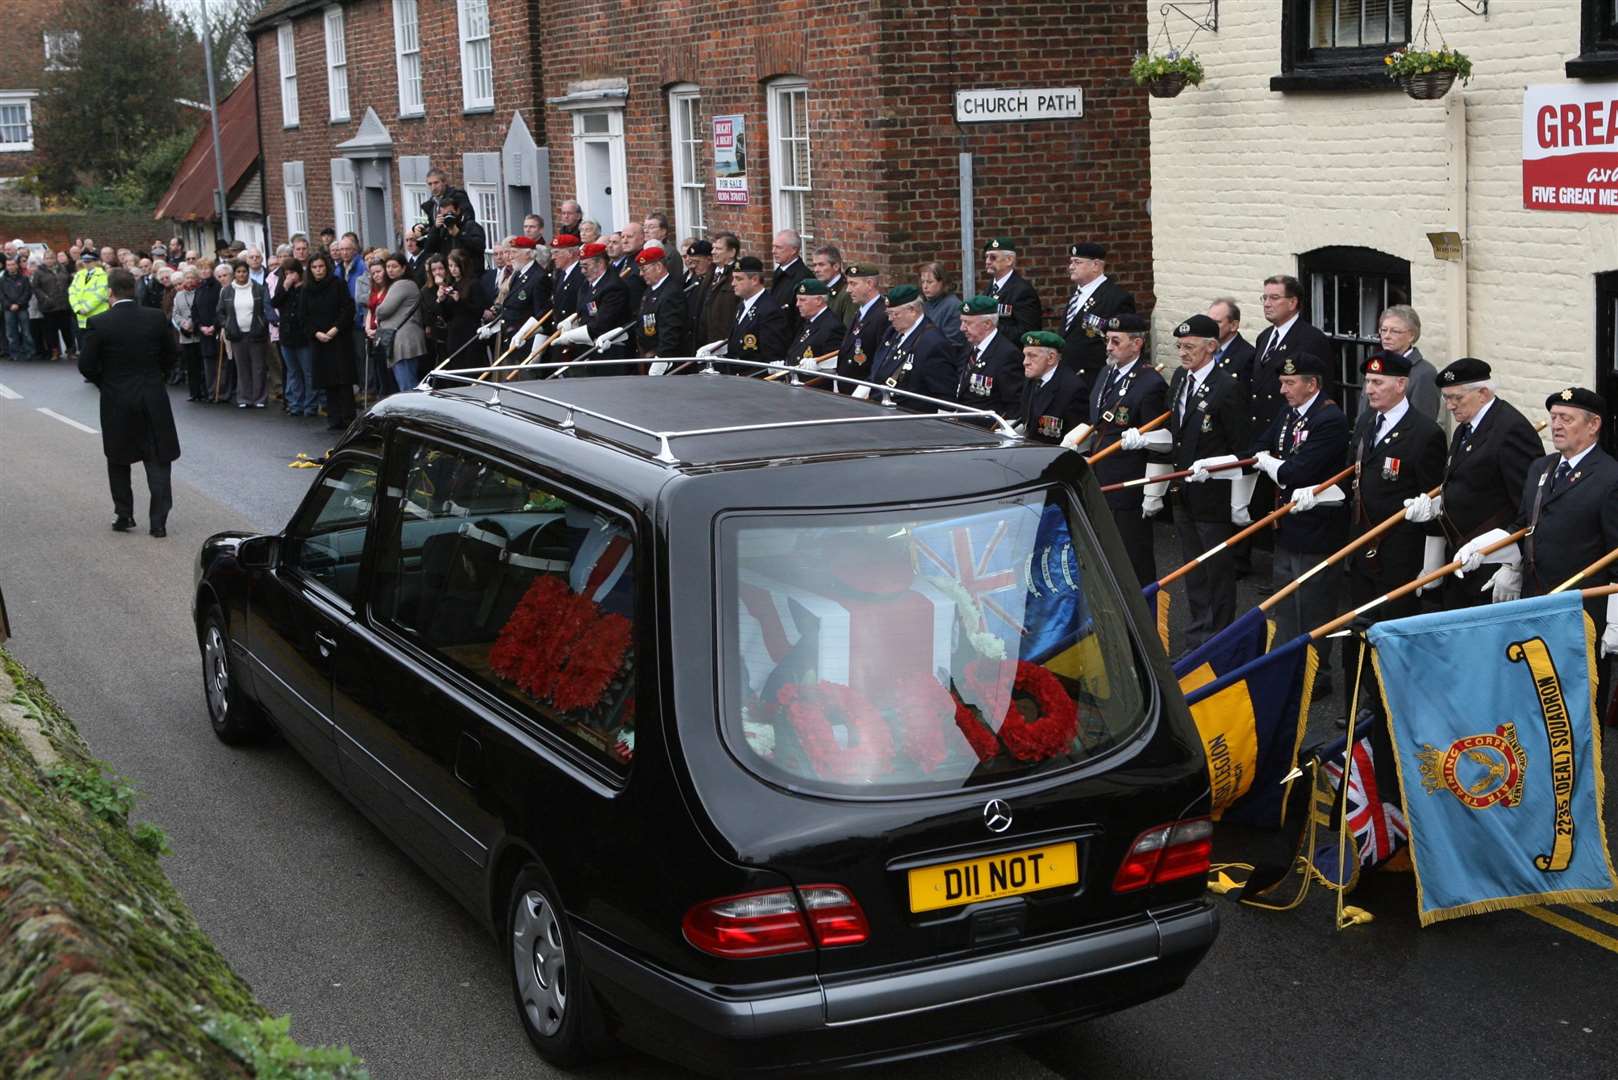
(1567, 395)
(1185, 328)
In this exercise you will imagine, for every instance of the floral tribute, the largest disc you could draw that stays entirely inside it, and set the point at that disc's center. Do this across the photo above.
(561, 648)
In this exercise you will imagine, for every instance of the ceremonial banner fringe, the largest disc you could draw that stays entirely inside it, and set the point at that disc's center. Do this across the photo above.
(1500, 770)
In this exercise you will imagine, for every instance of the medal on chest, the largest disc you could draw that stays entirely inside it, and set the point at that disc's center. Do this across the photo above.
(750, 342)
(1050, 427)
(1390, 468)
(907, 361)
(648, 324)
(979, 385)
(590, 309)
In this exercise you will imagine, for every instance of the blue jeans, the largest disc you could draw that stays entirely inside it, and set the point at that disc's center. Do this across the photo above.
(19, 336)
(299, 389)
(404, 373)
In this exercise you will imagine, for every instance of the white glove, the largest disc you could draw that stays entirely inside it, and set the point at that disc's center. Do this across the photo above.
(1132, 439)
(1471, 554)
(1268, 464)
(1151, 506)
(808, 364)
(661, 367)
(1240, 517)
(1304, 499)
(611, 337)
(1423, 508)
(1076, 436)
(1157, 489)
(1432, 557)
(488, 330)
(1505, 586)
(576, 336)
(712, 348)
(1609, 636)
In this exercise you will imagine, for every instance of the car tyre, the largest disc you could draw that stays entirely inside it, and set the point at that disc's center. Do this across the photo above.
(548, 982)
(235, 720)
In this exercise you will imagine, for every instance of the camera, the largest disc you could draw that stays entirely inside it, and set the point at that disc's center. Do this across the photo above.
(451, 221)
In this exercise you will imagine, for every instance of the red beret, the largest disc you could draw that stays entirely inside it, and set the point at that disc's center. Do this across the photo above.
(566, 240)
(524, 242)
(590, 251)
(649, 255)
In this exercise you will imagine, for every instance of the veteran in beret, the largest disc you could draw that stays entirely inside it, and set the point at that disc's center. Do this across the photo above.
(1020, 311)
(1209, 424)
(864, 336)
(1096, 298)
(760, 328)
(604, 317)
(915, 355)
(699, 275)
(820, 333)
(527, 295)
(992, 365)
(566, 277)
(1052, 396)
(1128, 393)
(664, 327)
(1489, 456)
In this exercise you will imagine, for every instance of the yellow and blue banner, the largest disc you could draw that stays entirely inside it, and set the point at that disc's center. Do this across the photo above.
(1242, 642)
(1157, 598)
(1500, 770)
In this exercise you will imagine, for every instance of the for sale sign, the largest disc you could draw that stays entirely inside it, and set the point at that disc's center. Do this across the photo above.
(1570, 147)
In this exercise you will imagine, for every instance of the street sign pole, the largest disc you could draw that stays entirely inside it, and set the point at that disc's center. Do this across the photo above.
(968, 245)
(213, 119)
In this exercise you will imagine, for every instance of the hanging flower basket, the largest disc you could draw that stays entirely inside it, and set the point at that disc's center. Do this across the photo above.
(1429, 85)
(1166, 86)
(1165, 74)
(1427, 75)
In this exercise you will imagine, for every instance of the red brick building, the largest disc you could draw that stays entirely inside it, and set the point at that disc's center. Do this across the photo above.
(848, 113)
(356, 101)
(31, 42)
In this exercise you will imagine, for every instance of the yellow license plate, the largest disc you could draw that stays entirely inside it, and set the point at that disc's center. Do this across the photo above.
(993, 876)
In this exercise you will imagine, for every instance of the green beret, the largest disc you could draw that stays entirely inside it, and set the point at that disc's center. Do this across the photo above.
(903, 294)
(1000, 243)
(1043, 339)
(812, 287)
(981, 305)
(861, 270)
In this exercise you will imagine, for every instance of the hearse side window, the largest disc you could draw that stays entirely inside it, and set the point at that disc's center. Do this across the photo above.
(923, 650)
(326, 540)
(529, 593)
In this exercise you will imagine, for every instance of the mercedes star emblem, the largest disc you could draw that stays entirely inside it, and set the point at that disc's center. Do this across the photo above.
(997, 815)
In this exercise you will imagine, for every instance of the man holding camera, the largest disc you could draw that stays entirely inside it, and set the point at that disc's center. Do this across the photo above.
(451, 224)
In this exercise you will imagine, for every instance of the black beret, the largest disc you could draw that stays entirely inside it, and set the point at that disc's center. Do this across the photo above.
(750, 264)
(1127, 324)
(1306, 364)
(1198, 326)
(1386, 362)
(1468, 369)
(700, 247)
(1579, 398)
(1087, 250)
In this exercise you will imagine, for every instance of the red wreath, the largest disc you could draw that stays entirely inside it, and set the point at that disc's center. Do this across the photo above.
(560, 647)
(923, 705)
(1056, 723)
(811, 709)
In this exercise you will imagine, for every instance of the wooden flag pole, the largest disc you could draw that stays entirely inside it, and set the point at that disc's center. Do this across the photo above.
(512, 374)
(1407, 588)
(1347, 549)
(1594, 568)
(497, 361)
(1121, 485)
(1150, 425)
(1262, 523)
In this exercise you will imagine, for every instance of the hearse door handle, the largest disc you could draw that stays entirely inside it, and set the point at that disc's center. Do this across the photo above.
(326, 642)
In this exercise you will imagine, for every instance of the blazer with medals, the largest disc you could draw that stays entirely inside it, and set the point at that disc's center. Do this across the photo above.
(820, 335)
(523, 299)
(1574, 525)
(1050, 409)
(663, 328)
(1238, 360)
(1312, 447)
(1019, 306)
(567, 292)
(1406, 462)
(719, 306)
(1118, 402)
(1084, 348)
(923, 363)
(1265, 384)
(758, 333)
(607, 309)
(863, 340)
(1214, 424)
(1483, 482)
(992, 378)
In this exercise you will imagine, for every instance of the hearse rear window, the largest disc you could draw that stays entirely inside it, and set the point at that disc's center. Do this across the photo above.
(916, 651)
(529, 592)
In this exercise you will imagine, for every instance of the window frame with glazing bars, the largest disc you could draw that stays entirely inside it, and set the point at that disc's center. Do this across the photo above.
(1348, 349)
(780, 92)
(1598, 41)
(1357, 67)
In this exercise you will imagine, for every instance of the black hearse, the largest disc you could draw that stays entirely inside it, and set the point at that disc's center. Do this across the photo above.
(769, 729)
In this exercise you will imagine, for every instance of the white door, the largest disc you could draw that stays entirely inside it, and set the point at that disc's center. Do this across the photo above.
(598, 166)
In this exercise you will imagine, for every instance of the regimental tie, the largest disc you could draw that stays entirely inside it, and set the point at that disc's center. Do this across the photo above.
(1072, 307)
(1560, 478)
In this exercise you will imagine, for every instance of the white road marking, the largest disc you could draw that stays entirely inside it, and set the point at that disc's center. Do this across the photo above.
(69, 421)
(8, 393)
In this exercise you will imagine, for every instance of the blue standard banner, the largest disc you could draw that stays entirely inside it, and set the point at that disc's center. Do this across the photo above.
(1498, 747)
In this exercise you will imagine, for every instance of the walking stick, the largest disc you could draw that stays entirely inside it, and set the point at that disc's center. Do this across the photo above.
(1122, 484)
(219, 367)
(1262, 523)
(1327, 629)
(1150, 425)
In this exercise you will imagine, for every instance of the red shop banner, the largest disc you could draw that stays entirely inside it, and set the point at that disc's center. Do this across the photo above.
(1570, 147)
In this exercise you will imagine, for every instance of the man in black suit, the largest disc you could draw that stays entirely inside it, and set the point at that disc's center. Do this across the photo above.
(567, 279)
(1489, 457)
(1235, 353)
(527, 295)
(128, 353)
(1208, 423)
(719, 308)
(664, 328)
(1095, 299)
(759, 331)
(820, 332)
(698, 280)
(605, 316)
(1020, 311)
(1128, 393)
(865, 333)
(789, 270)
(916, 356)
(1306, 445)
(1287, 335)
(1051, 402)
(992, 374)
(631, 239)
(1570, 501)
